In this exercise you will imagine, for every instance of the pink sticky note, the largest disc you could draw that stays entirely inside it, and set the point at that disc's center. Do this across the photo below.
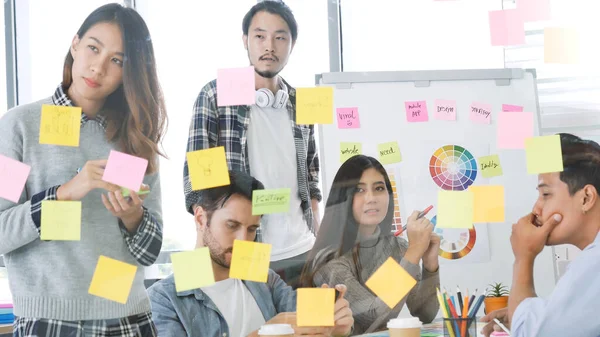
(513, 129)
(347, 118)
(125, 170)
(511, 108)
(236, 86)
(481, 113)
(534, 10)
(13, 176)
(507, 28)
(416, 111)
(445, 109)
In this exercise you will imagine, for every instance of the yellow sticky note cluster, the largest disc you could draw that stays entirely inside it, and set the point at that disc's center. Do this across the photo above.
(192, 269)
(455, 209)
(391, 282)
(208, 168)
(112, 279)
(315, 307)
(488, 203)
(250, 261)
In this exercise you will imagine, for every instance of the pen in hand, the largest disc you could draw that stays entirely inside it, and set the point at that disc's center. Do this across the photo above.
(422, 214)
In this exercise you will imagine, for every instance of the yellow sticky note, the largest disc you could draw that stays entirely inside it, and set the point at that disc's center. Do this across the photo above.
(192, 269)
(60, 125)
(250, 261)
(544, 154)
(488, 203)
(455, 209)
(490, 166)
(315, 307)
(314, 105)
(390, 282)
(561, 45)
(389, 153)
(61, 220)
(349, 150)
(208, 168)
(271, 201)
(112, 279)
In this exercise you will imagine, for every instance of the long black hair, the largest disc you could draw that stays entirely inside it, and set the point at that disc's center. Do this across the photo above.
(339, 229)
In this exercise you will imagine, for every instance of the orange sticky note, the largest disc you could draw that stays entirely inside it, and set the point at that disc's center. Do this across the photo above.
(391, 282)
(208, 168)
(488, 203)
(315, 307)
(61, 220)
(314, 105)
(192, 269)
(60, 125)
(250, 261)
(112, 279)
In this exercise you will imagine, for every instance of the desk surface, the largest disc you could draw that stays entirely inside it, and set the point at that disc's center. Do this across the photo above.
(6, 328)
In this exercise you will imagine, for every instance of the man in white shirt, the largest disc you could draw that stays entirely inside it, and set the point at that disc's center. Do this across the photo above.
(231, 307)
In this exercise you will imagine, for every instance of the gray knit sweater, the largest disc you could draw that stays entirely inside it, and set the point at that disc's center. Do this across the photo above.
(50, 279)
(366, 307)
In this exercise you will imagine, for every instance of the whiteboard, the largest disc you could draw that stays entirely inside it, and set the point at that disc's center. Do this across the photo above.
(380, 98)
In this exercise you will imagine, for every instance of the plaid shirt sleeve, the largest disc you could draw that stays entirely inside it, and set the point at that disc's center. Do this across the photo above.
(36, 205)
(312, 161)
(146, 242)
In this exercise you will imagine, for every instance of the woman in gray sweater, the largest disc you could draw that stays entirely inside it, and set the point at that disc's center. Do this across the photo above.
(355, 238)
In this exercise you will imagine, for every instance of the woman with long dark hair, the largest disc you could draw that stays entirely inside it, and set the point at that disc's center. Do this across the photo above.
(355, 239)
(110, 73)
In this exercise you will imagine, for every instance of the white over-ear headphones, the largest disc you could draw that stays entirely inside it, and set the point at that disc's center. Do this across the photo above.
(264, 97)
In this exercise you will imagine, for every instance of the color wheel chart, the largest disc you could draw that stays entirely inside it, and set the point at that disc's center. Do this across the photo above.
(453, 168)
(397, 219)
(455, 243)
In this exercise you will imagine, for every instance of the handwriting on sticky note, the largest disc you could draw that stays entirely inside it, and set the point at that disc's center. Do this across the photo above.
(61, 220)
(561, 45)
(455, 209)
(236, 86)
(506, 28)
(271, 201)
(125, 170)
(543, 154)
(250, 261)
(13, 176)
(534, 10)
(390, 282)
(511, 108)
(416, 111)
(513, 129)
(314, 105)
(389, 153)
(490, 166)
(112, 279)
(348, 118)
(192, 269)
(315, 307)
(445, 109)
(481, 113)
(208, 168)
(60, 125)
(488, 203)
(349, 150)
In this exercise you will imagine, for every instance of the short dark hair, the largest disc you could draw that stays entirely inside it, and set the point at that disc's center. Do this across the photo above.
(581, 162)
(274, 7)
(211, 199)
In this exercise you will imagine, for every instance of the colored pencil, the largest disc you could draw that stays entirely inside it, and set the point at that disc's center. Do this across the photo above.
(460, 301)
(445, 313)
(465, 314)
(472, 299)
(454, 315)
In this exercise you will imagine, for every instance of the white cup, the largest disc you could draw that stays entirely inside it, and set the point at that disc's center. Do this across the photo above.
(276, 330)
(405, 327)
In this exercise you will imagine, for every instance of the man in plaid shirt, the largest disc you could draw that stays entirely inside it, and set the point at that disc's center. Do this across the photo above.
(264, 140)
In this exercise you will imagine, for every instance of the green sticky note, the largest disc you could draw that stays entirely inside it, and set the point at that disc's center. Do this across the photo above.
(192, 269)
(125, 192)
(61, 220)
(271, 201)
(389, 153)
(544, 154)
(455, 209)
(348, 150)
(490, 166)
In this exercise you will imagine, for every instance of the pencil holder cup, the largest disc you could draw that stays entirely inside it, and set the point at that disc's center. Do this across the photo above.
(460, 327)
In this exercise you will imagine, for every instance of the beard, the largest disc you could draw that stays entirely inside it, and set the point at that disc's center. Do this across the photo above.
(266, 73)
(217, 252)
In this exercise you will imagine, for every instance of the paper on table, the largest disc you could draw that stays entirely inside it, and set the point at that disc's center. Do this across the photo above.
(506, 28)
(348, 150)
(250, 261)
(208, 168)
(455, 209)
(348, 118)
(236, 86)
(61, 220)
(60, 125)
(315, 307)
(314, 105)
(112, 279)
(390, 282)
(490, 166)
(544, 154)
(389, 153)
(271, 201)
(416, 111)
(488, 203)
(192, 269)
(13, 176)
(125, 170)
(513, 129)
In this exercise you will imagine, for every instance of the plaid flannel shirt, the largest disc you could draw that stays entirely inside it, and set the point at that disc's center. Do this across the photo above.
(227, 126)
(144, 244)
